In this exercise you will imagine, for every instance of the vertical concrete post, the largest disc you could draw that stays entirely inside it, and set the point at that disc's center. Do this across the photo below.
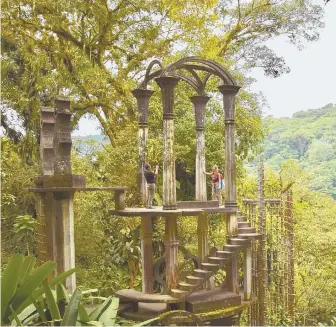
(64, 200)
(143, 96)
(47, 202)
(229, 93)
(171, 249)
(248, 273)
(200, 102)
(262, 256)
(167, 85)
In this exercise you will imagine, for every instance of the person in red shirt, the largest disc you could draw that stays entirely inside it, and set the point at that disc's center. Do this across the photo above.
(216, 182)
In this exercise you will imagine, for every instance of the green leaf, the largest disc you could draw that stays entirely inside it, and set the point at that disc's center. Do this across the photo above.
(108, 317)
(52, 305)
(83, 315)
(62, 293)
(31, 283)
(71, 312)
(17, 320)
(93, 323)
(40, 310)
(26, 268)
(97, 312)
(9, 282)
(57, 279)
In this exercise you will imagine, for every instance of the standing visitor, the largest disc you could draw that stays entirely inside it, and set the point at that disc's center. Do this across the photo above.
(216, 182)
(150, 179)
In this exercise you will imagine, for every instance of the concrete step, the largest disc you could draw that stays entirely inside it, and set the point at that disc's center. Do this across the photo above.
(183, 286)
(202, 273)
(194, 280)
(249, 235)
(178, 294)
(246, 230)
(238, 241)
(223, 254)
(217, 260)
(210, 266)
(242, 224)
(232, 248)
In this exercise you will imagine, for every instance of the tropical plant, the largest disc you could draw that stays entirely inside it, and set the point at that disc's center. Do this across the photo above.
(24, 227)
(27, 303)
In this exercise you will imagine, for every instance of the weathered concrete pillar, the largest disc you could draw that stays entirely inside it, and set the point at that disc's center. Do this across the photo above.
(232, 274)
(200, 102)
(65, 236)
(143, 96)
(248, 273)
(64, 201)
(46, 203)
(171, 250)
(229, 92)
(167, 85)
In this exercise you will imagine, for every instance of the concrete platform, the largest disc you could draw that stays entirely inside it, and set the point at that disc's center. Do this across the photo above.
(159, 212)
(212, 300)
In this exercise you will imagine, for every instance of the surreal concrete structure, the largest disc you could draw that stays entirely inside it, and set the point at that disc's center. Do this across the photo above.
(243, 260)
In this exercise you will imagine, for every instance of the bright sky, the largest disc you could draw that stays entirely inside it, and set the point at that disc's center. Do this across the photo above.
(311, 83)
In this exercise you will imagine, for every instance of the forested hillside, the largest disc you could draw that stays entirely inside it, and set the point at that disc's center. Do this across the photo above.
(309, 137)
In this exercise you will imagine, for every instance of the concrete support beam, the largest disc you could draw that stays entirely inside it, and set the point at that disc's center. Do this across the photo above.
(171, 250)
(143, 96)
(167, 85)
(65, 237)
(248, 273)
(147, 254)
(200, 102)
(229, 92)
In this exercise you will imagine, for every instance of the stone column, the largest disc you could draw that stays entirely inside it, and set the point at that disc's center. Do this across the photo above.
(167, 85)
(47, 203)
(143, 96)
(171, 250)
(64, 200)
(229, 92)
(248, 273)
(200, 102)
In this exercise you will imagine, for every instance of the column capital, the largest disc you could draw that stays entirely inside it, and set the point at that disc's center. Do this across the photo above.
(143, 96)
(226, 89)
(199, 99)
(199, 102)
(167, 85)
(142, 93)
(165, 81)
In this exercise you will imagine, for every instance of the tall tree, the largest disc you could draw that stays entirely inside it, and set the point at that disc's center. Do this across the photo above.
(97, 50)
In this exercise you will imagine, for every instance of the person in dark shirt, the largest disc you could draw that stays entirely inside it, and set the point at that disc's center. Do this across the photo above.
(151, 180)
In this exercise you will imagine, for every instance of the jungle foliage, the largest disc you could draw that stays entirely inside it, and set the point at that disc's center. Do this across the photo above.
(96, 52)
(310, 138)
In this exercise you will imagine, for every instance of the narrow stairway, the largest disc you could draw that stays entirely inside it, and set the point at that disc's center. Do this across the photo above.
(208, 269)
